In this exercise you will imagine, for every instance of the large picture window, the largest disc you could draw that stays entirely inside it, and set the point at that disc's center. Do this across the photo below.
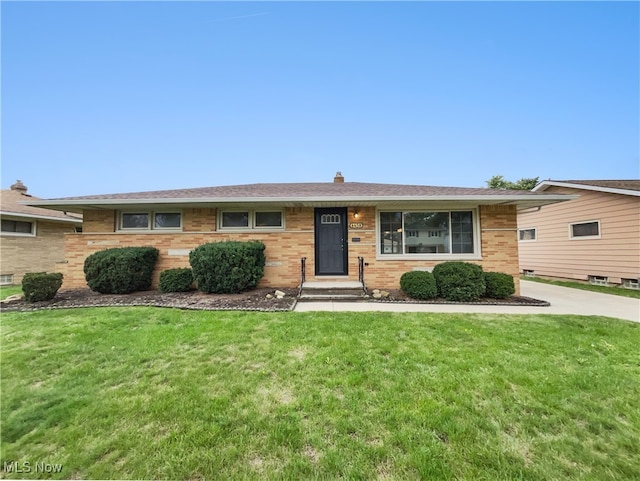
(423, 232)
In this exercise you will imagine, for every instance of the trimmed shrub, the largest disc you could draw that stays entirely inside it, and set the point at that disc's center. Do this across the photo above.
(499, 285)
(228, 266)
(419, 285)
(459, 281)
(176, 280)
(120, 270)
(41, 286)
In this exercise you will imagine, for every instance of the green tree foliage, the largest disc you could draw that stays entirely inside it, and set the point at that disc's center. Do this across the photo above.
(499, 182)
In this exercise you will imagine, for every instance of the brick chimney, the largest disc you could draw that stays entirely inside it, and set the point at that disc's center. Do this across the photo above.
(338, 179)
(20, 187)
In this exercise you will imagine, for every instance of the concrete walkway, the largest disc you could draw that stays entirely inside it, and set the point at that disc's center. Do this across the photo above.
(563, 300)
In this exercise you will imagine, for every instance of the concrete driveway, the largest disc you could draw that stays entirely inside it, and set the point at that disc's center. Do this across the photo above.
(563, 300)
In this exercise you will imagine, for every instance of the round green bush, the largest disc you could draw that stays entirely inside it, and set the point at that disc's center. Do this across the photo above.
(459, 281)
(176, 280)
(419, 285)
(228, 266)
(120, 270)
(41, 286)
(499, 285)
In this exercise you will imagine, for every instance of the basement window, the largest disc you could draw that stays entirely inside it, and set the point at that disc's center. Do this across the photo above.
(631, 283)
(599, 280)
(528, 273)
(6, 279)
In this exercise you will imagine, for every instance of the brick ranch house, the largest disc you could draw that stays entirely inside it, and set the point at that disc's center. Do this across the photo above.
(32, 238)
(338, 227)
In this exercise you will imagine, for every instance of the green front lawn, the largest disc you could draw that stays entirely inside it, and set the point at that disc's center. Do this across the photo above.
(147, 393)
(615, 290)
(6, 291)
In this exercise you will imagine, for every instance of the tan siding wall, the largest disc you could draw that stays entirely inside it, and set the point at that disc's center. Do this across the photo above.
(285, 249)
(616, 254)
(42, 253)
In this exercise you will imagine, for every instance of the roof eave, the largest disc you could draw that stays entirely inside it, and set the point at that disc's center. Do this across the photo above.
(521, 200)
(41, 217)
(545, 184)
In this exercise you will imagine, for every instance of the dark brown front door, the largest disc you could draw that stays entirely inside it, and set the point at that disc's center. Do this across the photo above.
(331, 241)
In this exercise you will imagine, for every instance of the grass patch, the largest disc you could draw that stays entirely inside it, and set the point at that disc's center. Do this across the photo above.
(616, 291)
(148, 393)
(6, 291)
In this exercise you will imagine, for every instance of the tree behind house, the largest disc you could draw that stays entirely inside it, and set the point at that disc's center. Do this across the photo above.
(499, 182)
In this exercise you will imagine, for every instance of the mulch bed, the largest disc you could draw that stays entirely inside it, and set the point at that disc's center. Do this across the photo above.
(399, 296)
(256, 300)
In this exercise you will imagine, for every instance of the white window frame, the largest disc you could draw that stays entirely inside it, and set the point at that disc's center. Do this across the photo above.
(34, 228)
(252, 220)
(581, 237)
(6, 279)
(477, 243)
(535, 234)
(151, 215)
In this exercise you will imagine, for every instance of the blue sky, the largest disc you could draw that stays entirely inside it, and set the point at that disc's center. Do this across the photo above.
(122, 97)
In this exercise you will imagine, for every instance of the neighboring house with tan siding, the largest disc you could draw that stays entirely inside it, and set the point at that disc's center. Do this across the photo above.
(32, 238)
(594, 238)
(342, 230)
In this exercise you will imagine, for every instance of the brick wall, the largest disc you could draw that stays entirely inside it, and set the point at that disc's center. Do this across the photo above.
(41, 253)
(285, 249)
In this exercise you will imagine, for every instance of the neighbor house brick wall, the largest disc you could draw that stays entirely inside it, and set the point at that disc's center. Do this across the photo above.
(43, 252)
(284, 249)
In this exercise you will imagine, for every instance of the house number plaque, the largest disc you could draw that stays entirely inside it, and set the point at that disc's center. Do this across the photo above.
(356, 225)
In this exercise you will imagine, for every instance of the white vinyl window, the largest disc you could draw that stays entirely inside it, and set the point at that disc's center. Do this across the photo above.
(251, 219)
(6, 279)
(584, 230)
(527, 234)
(18, 227)
(150, 221)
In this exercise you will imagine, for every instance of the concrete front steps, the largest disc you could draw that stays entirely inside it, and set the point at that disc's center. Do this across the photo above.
(331, 291)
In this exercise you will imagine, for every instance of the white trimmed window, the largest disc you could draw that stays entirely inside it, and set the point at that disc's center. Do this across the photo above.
(251, 219)
(580, 230)
(6, 279)
(527, 234)
(150, 220)
(444, 234)
(18, 227)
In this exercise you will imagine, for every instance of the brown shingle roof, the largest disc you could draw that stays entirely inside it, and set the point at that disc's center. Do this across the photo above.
(10, 204)
(310, 190)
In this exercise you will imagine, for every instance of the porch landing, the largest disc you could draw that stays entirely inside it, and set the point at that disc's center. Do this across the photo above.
(331, 290)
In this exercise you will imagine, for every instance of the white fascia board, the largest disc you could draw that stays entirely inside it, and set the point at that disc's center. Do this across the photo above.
(39, 217)
(479, 199)
(542, 186)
